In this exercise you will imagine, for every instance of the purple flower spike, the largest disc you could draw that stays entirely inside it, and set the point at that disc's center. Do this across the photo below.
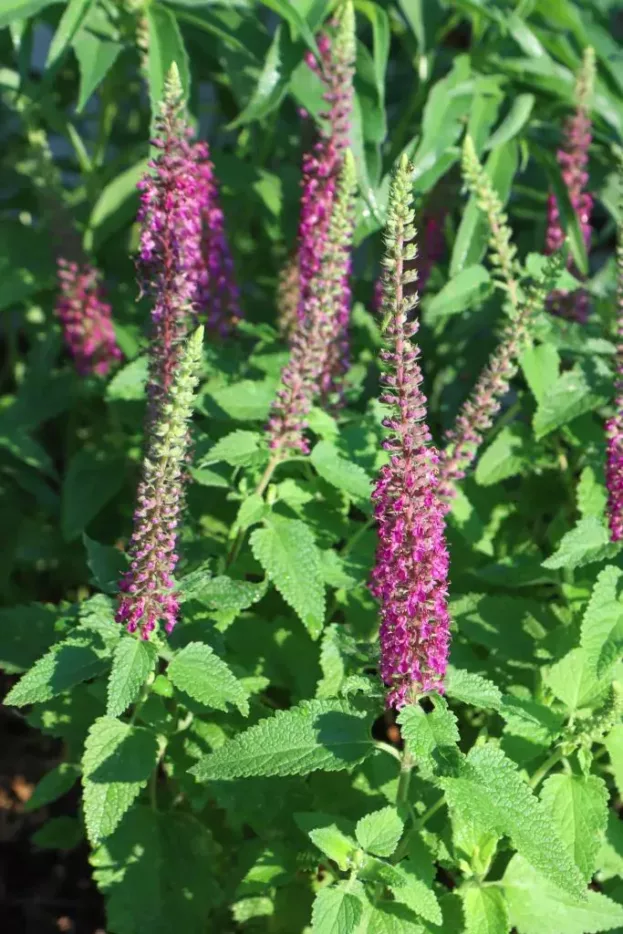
(316, 336)
(614, 425)
(146, 588)
(410, 577)
(218, 297)
(86, 319)
(321, 167)
(573, 160)
(171, 233)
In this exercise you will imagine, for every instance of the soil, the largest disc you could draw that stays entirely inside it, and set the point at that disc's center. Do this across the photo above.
(42, 891)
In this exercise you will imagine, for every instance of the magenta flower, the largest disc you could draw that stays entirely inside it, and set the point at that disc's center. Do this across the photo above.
(315, 337)
(321, 168)
(170, 215)
(573, 160)
(147, 587)
(217, 292)
(411, 570)
(86, 319)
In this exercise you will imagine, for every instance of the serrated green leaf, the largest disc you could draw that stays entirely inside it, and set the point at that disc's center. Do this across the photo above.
(287, 551)
(591, 494)
(573, 679)
(53, 786)
(497, 799)
(128, 383)
(240, 449)
(485, 911)
(118, 760)
(157, 872)
(470, 286)
(579, 805)
(334, 844)
(471, 688)
(601, 633)
(531, 899)
(331, 663)
(65, 665)
(338, 909)
(340, 472)
(133, 662)
(588, 541)
(387, 917)
(569, 397)
(540, 365)
(409, 888)
(380, 832)
(201, 674)
(220, 593)
(429, 737)
(319, 734)
(248, 400)
(505, 457)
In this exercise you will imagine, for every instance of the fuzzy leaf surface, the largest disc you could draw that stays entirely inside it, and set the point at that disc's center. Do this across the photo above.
(202, 674)
(132, 663)
(579, 805)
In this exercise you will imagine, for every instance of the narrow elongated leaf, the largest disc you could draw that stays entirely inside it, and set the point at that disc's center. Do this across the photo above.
(71, 19)
(97, 47)
(329, 735)
(115, 206)
(118, 760)
(287, 551)
(469, 287)
(200, 673)
(514, 122)
(338, 909)
(21, 9)
(165, 47)
(601, 635)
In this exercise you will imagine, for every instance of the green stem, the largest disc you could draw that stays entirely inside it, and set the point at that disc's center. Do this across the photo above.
(426, 816)
(406, 768)
(547, 766)
(260, 489)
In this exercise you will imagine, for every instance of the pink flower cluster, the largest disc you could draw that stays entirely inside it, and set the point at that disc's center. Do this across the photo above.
(411, 569)
(573, 161)
(86, 318)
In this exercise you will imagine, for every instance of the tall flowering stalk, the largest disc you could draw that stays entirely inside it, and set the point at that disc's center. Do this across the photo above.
(146, 588)
(614, 425)
(86, 318)
(411, 570)
(481, 407)
(218, 297)
(301, 379)
(84, 314)
(321, 170)
(503, 252)
(170, 214)
(573, 160)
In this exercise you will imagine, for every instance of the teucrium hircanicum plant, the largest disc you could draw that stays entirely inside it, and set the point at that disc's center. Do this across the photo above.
(391, 700)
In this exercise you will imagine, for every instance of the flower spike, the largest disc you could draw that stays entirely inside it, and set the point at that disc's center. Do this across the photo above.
(146, 588)
(86, 318)
(481, 407)
(317, 335)
(614, 425)
(573, 160)
(411, 569)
